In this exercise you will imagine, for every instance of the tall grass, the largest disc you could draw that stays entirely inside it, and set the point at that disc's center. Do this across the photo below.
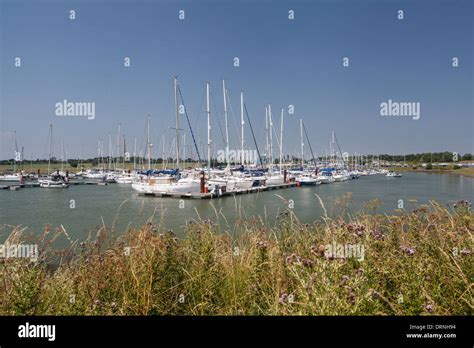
(415, 263)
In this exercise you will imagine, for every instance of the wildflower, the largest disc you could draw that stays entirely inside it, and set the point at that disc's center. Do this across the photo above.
(113, 305)
(465, 252)
(261, 244)
(352, 298)
(293, 258)
(283, 298)
(360, 272)
(345, 279)
(376, 234)
(429, 308)
(97, 302)
(410, 251)
(307, 263)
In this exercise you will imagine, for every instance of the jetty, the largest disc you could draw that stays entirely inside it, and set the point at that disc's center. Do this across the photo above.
(219, 194)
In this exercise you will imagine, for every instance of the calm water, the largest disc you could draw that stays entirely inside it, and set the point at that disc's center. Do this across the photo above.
(95, 205)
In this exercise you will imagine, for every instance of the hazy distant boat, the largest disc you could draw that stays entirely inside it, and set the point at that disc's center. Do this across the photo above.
(232, 183)
(325, 178)
(124, 179)
(307, 179)
(393, 175)
(272, 180)
(341, 176)
(53, 184)
(10, 177)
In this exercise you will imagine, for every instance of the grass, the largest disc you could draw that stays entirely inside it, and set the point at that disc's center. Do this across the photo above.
(415, 263)
(469, 172)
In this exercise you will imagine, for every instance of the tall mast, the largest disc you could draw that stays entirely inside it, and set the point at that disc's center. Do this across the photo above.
(175, 83)
(50, 140)
(118, 146)
(163, 156)
(16, 153)
(242, 128)
(62, 156)
(208, 109)
(224, 91)
(267, 150)
(302, 143)
(134, 152)
(148, 141)
(184, 150)
(281, 141)
(109, 153)
(270, 133)
(124, 151)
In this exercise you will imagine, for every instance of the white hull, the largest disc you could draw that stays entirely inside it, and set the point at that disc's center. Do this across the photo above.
(325, 179)
(305, 181)
(10, 178)
(274, 180)
(52, 184)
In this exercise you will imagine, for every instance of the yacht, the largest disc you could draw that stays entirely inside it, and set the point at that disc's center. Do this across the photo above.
(307, 179)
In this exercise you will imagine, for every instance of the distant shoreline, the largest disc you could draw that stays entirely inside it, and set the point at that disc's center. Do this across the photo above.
(468, 172)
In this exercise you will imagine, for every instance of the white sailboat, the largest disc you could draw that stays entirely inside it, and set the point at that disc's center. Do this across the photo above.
(54, 180)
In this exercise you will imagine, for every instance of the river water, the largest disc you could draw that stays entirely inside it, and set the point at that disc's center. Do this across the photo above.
(83, 208)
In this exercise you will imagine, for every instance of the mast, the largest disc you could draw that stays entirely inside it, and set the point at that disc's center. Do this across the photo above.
(184, 150)
(118, 147)
(50, 140)
(134, 152)
(16, 153)
(224, 91)
(175, 84)
(208, 131)
(124, 151)
(109, 153)
(271, 136)
(242, 128)
(62, 156)
(302, 143)
(281, 141)
(148, 145)
(267, 149)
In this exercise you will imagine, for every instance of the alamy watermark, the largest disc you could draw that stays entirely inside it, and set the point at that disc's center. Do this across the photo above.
(237, 156)
(68, 108)
(19, 251)
(393, 108)
(344, 251)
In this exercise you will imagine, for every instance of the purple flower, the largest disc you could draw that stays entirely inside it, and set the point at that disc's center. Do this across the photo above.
(352, 298)
(345, 279)
(429, 308)
(283, 298)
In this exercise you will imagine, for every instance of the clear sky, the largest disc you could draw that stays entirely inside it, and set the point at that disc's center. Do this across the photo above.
(282, 62)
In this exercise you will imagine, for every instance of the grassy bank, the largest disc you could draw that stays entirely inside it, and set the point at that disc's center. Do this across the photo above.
(462, 171)
(413, 263)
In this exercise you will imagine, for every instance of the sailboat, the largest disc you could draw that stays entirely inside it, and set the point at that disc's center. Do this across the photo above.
(54, 180)
(272, 178)
(305, 178)
(13, 176)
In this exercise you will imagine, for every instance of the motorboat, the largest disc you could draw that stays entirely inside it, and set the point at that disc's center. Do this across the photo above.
(307, 179)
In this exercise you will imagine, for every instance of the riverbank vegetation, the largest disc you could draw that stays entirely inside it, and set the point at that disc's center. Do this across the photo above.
(416, 262)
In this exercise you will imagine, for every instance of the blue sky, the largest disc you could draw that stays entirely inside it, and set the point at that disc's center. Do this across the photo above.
(282, 62)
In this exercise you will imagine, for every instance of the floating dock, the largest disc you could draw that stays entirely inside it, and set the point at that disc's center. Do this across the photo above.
(209, 195)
